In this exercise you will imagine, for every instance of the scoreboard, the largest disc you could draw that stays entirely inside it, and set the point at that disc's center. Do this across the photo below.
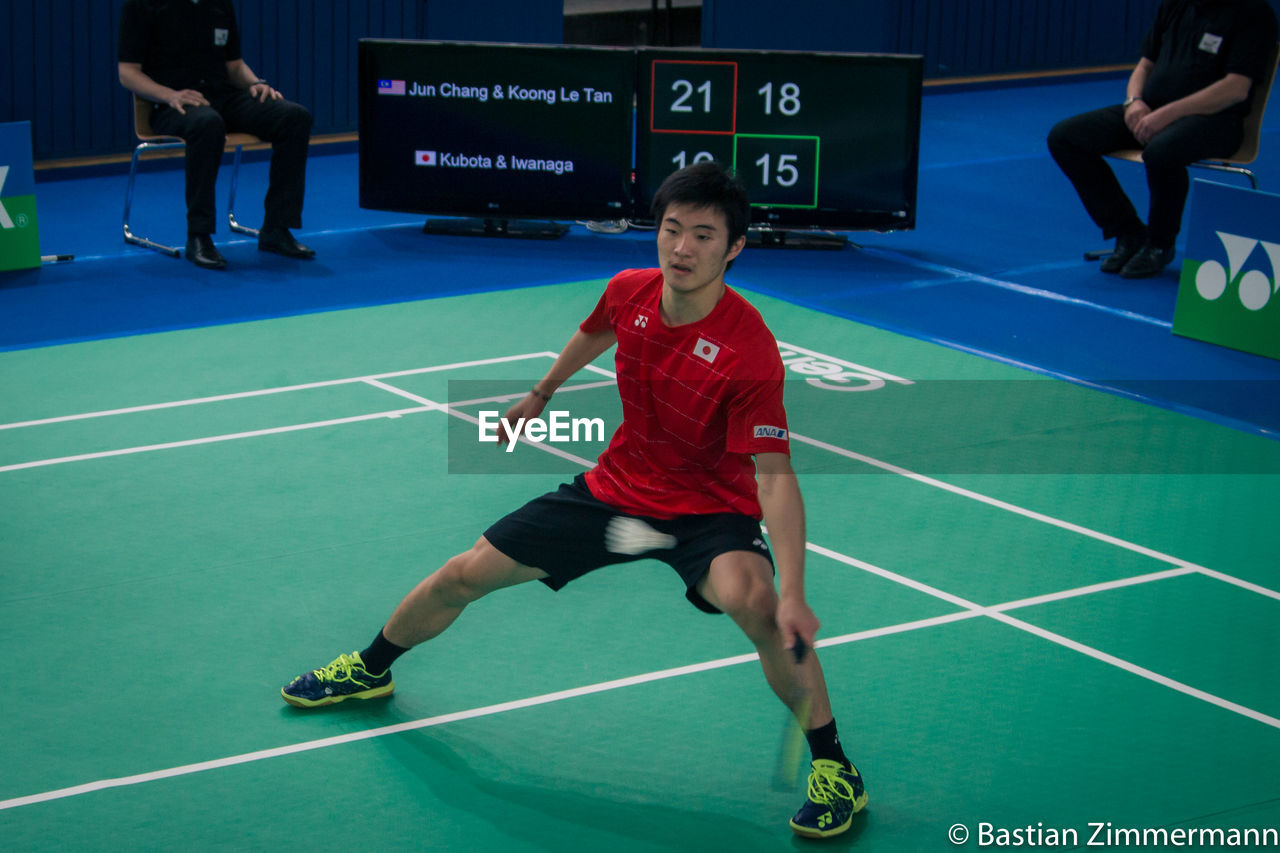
(822, 140)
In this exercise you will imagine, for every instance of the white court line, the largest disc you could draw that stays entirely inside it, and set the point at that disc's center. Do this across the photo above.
(563, 454)
(1037, 516)
(533, 701)
(997, 612)
(240, 395)
(213, 439)
(831, 448)
(969, 608)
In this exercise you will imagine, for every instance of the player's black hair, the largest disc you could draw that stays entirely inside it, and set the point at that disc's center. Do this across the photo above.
(706, 184)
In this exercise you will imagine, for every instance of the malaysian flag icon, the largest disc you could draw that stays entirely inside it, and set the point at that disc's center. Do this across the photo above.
(424, 158)
(390, 87)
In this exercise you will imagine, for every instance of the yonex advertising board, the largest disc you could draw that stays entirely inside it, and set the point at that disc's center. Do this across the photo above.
(1227, 294)
(19, 236)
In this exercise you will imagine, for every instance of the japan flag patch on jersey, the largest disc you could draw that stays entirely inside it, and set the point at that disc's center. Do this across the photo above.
(706, 350)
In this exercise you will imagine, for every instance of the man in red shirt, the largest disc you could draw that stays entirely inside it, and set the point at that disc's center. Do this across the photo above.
(701, 382)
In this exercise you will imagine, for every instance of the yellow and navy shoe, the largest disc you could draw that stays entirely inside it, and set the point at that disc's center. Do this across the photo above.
(345, 678)
(835, 796)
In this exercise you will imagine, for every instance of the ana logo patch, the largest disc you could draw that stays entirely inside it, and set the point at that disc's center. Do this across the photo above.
(1210, 43)
(770, 432)
(220, 36)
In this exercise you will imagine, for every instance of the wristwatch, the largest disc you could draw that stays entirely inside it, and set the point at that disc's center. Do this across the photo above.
(1129, 100)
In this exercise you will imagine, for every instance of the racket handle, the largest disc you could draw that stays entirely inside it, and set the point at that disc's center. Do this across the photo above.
(800, 649)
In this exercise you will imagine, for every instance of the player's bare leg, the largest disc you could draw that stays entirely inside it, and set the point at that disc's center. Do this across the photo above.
(430, 608)
(741, 584)
(439, 599)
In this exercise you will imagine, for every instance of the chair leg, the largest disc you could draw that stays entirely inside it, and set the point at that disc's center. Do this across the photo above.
(231, 198)
(1228, 167)
(1098, 254)
(129, 236)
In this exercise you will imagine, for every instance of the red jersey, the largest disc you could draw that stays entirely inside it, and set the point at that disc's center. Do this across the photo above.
(698, 401)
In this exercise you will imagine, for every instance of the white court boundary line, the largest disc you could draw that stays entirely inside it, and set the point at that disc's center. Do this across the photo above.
(969, 609)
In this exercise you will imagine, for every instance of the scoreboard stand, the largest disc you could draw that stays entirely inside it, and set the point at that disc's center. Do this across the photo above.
(763, 237)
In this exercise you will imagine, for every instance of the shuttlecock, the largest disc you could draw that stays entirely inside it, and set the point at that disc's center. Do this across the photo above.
(633, 536)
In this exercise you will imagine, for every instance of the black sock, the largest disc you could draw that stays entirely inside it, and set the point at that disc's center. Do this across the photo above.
(824, 743)
(381, 654)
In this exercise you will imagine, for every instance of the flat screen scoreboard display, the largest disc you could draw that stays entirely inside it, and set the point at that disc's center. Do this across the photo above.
(822, 140)
(495, 131)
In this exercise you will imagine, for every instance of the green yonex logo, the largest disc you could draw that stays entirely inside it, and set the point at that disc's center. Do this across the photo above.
(1253, 288)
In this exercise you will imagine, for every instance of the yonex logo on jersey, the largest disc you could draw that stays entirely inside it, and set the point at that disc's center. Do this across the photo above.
(706, 350)
(770, 432)
(641, 321)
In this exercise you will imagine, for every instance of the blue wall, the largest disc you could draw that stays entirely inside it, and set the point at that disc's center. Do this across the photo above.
(956, 37)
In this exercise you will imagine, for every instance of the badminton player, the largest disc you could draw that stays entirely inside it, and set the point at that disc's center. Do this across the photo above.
(701, 456)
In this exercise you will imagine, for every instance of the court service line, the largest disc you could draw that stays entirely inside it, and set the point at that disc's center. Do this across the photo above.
(283, 389)
(970, 611)
(214, 439)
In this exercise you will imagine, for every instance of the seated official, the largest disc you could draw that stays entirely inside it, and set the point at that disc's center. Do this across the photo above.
(184, 56)
(1186, 101)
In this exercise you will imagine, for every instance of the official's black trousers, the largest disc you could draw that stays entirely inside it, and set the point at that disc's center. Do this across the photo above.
(286, 125)
(1078, 143)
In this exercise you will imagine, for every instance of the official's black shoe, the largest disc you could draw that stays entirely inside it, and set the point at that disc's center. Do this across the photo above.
(202, 252)
(281, 242)
(1127, 245)
(1149, 261)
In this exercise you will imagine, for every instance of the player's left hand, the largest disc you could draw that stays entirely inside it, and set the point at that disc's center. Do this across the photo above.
(795, 619)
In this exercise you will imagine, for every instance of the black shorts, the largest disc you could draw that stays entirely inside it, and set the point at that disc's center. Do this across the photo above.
(563, 534)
